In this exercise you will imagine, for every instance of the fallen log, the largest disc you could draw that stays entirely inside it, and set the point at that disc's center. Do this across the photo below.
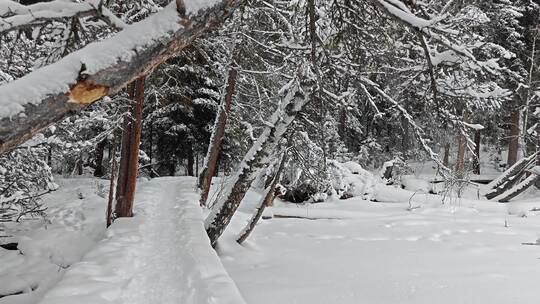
(518, 189)
(103, 68)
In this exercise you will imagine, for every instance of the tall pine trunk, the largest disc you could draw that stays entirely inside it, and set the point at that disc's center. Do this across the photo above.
(210, 163)
(296, 96)
(129, 158)
(513, 143)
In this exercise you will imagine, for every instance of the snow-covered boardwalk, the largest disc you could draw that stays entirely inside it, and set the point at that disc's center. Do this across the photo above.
(162, 255)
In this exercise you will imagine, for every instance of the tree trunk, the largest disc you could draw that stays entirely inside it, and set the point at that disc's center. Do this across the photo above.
(460, 161)
(112, 157)
(476, 163)
(99, 151)
(446, 154)
(210, 164)
(405, 138)
(190, 161)
(513, 143)
(297, 95)
(518, 189)
(266, 201)
(129, 161)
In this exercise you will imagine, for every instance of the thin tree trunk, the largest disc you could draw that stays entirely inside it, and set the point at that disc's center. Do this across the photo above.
(513, 143)
(210, 163)
(297, 95)
(266, 201)
(460, 162)
(476, 163)
(190, 161)
(112, 157)
(99, 151)
(446, 154)
(128, 177)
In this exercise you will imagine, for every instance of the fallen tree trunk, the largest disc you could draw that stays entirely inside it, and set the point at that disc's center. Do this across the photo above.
(509, 178)
(518, 189)
(38, 99)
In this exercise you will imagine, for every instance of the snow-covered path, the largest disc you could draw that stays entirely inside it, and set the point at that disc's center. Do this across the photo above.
(380, 253)
(162, 255)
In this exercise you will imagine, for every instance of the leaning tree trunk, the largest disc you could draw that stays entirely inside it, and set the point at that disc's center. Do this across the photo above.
(211, 159)
(513, 144)
(518, 189)
(129, 158)
(266, 201)
(297, 94)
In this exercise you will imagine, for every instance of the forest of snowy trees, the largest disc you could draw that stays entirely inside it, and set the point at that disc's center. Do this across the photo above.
(301, 101)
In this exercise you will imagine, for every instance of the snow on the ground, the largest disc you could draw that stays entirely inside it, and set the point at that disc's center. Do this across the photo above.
(356, 251)
(75, 223)
(407, 247)
(162, 255)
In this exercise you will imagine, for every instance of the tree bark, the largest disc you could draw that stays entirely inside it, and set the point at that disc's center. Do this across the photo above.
(476, 163)
(460, 161)
(518, 189)
(130, 153)
(210, 165)
(266, 201)
(446, 154)
(190, 161)
(513, 143)
(99, 151)
(297, 95)
(112, 157)
(90, 86)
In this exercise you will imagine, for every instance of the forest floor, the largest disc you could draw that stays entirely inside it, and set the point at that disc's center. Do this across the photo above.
(405, 248)
(356, 251)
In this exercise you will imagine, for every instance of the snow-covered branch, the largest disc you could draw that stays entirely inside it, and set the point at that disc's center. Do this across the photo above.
(102, 68)
(26, 16)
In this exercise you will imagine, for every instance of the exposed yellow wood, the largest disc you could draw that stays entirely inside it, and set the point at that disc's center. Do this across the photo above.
(85, 92)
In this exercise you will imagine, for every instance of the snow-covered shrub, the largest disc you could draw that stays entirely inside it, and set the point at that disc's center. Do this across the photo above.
(349, 179)
(24, 176)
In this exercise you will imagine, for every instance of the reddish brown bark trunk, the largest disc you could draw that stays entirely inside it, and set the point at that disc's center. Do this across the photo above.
(513, 143)
(215, 146)
(129, 160)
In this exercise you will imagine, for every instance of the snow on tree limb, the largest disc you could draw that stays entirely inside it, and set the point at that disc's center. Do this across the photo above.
(397, 10)
(102, 68)
(24, 16)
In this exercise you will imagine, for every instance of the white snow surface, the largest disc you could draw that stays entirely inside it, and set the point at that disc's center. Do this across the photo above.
(355, 251)
(161, 255)
(37, 85)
